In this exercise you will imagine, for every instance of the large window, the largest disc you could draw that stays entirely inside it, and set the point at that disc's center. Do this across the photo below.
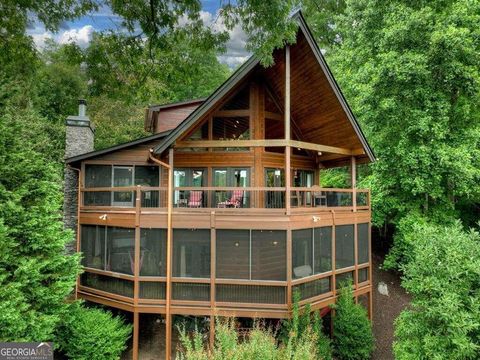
(251, 255)
(120, 176)
(311, 251)
(363, 251)
(191, 253)
(231, 177)
(189, 177)
(344, 246)
(153, 250)
(108, 248)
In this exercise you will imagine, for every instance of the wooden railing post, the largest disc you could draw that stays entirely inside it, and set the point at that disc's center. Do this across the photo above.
(353, 174)
(287, 131)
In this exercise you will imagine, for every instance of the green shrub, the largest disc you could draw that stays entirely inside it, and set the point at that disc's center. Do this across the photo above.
(259, 344)
(443, 278)
(352, 331)
(92, 333)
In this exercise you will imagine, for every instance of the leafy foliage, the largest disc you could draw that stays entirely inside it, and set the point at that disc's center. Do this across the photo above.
(352, 331)
(259, 344)
(410, 72)
(92, 334)
(35, 273)
(443, 278)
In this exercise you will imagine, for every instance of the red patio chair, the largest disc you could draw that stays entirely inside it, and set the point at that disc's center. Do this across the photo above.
(235, 200)
(195, 199)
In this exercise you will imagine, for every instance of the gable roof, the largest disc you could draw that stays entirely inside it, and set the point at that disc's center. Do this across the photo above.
(111, 149)
(244, 70)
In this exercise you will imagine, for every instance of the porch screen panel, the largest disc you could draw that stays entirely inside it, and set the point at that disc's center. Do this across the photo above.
(232, 254)
(344, 246)
(92, 245)
(97, 176)
(302, 253)
(120, 250)
(107, 283)
(363, 255)
(322, 245)
(343, 279)
(191, 253)
(153, 250)
(269, 255)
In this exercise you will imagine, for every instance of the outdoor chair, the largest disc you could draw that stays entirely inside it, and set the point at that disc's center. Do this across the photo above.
(195, 199)
(235, 200)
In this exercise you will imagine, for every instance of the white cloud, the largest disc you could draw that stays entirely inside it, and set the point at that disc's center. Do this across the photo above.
(80, 36)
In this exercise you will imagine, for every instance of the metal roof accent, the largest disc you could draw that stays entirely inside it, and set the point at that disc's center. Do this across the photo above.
(91, 154)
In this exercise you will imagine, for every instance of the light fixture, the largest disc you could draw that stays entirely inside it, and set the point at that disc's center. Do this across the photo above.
(316, 218)
(103, 217)
(275, 243)
(237, 244)
(319, 153)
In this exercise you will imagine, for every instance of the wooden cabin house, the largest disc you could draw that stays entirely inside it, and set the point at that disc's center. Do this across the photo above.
(220, 211)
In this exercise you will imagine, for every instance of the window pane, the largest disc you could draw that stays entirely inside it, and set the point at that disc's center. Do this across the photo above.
(120, 250)
(362, 275)
(322, 249)
(191, 253)
(302, 253)
(269, 255)
(234, 128)
(153, 247)
(122, 176)
(362, 237)
(233, 252)
(93, 246)
(343, 279)
(147, 175)
(344, 246)
(239, 101)
(98, 176)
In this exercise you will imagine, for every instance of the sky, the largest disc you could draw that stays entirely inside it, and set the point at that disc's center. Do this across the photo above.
(80, 31)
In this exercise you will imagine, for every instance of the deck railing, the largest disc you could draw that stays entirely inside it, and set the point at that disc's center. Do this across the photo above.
(227, 197)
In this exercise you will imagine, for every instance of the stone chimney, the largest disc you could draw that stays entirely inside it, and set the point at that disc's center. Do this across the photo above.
(79, 140)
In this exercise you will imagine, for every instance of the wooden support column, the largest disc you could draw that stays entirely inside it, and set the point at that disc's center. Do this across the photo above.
(136, 324)
(213, 267)
(136, 272)
(370, 271)
(168, 316)
(289, 269)
(353, 175)
(287, 131)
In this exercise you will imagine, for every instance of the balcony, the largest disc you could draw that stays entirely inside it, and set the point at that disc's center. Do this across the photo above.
(229, 199)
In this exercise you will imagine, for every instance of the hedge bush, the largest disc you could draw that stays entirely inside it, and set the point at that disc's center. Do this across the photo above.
(352, 330)
(92, 334)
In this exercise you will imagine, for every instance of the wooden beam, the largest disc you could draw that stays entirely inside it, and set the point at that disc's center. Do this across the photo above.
(287, 93)
(232, 113)
(263, 143)
(273, 116)
(353, 176)
(321, 148)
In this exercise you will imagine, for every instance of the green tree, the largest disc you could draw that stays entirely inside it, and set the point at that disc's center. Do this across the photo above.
(411, 72)
(443, 278)
(352, 331)
(36, 275)
(92, 334)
